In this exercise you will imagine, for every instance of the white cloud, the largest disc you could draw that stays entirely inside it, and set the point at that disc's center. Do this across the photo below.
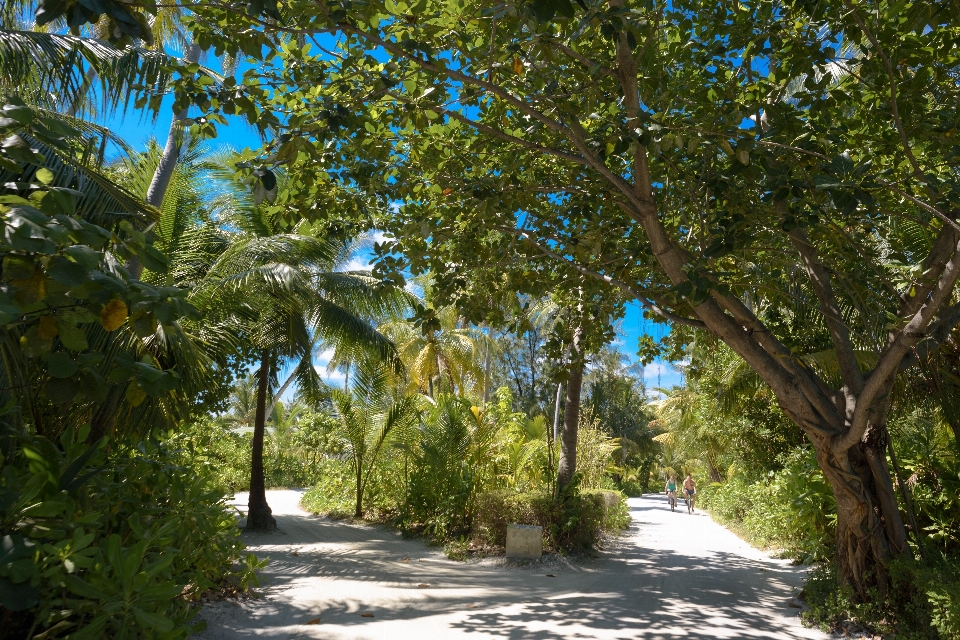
(357, 264)
(379, 236)
(320, 363)
(664, 376)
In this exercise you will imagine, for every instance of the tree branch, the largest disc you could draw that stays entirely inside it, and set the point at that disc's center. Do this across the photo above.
(937, 334)
(636, 293)
(558, 153)
(839, 333)
(894, 108)
(893, 355)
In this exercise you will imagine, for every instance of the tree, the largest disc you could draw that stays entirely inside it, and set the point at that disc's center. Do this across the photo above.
(694, 156)
(243, 402)
(368, 414)
(451, 351)
(617, 399)
(80, 340)
(281, 292)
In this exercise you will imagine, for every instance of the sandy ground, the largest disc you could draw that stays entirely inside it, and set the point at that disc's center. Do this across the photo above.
(672, 575)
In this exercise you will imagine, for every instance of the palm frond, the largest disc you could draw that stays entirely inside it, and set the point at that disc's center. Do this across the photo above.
(60, 67)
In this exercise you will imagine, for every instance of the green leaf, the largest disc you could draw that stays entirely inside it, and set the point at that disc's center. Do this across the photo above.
(71, 336)
(154, 259)
(83, 588)
(842, 163)
(44, 175)
(45, 509)
(61, 365)
(152, 620)
(22, 114)
(17, 149)
(84, 255)
(17, 597)
(18, 267)
(67, 272)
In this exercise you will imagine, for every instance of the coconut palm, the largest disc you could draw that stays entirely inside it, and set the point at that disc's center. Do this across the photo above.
(453, 352)
(58, 71)
(242, 409)
(280, 294)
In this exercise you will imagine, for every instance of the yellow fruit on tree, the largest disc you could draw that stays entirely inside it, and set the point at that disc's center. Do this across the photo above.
(114, 314)
(48, 327)
(32, 289)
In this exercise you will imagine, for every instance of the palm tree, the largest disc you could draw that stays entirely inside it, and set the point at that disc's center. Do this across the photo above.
(368, 413)
(281, 294)
(57, 71)
(243, 402)
(453, 352)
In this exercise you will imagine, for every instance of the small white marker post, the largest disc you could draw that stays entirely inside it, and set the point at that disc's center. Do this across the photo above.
(524, 541)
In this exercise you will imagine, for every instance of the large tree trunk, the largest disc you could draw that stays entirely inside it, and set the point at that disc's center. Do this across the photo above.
(870, 528)
(259, 515)
(571, 415)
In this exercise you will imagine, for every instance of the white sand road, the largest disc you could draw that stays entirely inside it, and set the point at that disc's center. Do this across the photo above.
(671, 575)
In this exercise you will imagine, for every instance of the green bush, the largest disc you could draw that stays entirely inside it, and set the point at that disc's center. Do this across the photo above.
(922, 601)
(334, 494)
(295, 457)
(109, 541)
(791, 509)
(215, 451)
(573, 522)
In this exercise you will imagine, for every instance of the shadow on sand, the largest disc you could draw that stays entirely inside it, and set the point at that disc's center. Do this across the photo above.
(631, 592)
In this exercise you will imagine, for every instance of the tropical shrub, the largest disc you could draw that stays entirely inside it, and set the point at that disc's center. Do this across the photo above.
(594, 451)
(575, 521)
(791, 509)
(928, 457)
(334, 493)
(110, 540)
(210, 447)
(451, 454)
(922, 600)
(294, 457)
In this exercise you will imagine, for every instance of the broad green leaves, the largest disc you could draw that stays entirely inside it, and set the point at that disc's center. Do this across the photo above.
(63, 286)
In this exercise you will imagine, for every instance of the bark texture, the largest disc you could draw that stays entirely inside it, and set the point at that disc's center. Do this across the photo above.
(259, 515)
(171, 150)
(870, 529)
(571, 415)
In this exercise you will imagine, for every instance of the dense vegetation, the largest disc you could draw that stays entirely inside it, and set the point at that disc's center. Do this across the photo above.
(762, 481)
(777, 181)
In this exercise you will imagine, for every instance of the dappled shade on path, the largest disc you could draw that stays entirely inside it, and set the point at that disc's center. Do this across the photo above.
(672, 575)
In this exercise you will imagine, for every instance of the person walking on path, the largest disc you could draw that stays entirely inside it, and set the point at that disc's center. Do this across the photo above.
(671, 491)
(690, 491)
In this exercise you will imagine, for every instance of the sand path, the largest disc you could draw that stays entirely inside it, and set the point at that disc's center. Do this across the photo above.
(671, 575)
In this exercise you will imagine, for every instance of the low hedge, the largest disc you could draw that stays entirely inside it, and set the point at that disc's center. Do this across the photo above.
(574, 522)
